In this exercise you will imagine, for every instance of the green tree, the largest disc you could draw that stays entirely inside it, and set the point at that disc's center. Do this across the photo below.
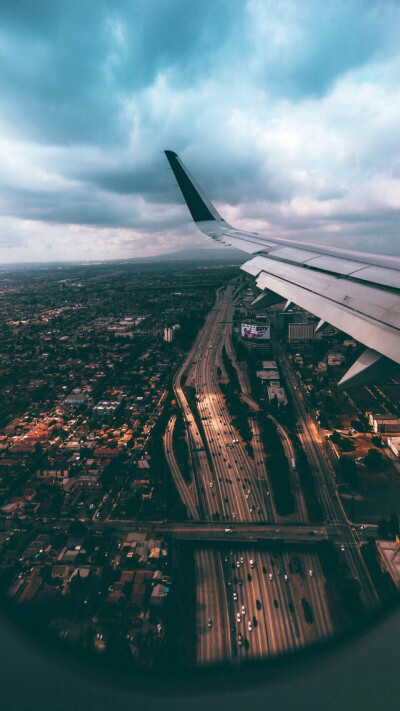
(374, 460)
(393, 525)
(348, 470)
(383, 531)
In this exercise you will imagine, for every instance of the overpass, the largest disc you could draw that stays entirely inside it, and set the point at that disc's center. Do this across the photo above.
(238, 532)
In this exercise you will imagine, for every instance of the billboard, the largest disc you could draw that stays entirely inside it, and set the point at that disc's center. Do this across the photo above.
(255, 332)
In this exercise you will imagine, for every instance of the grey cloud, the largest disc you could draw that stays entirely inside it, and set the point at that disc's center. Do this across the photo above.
(98, 89)
(308, 46)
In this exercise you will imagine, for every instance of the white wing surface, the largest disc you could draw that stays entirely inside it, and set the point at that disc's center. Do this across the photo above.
(357, 292)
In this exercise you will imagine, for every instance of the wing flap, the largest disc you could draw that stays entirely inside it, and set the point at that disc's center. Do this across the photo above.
(358, 293)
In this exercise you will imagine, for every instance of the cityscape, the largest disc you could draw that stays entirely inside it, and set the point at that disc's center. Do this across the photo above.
(182, 482)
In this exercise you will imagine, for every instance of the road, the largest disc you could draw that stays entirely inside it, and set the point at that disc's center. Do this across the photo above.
(234, 492)
(184, 491)
(326, 486)
(214, 640)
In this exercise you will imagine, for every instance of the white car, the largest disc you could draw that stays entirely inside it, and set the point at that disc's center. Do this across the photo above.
(243, 610)
(235, 596)
(249, 626)
(310, 573)
(270, 576)
(238, 617)
(251, 563)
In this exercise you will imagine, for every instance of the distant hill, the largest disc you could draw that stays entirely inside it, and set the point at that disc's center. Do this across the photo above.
(196, 255)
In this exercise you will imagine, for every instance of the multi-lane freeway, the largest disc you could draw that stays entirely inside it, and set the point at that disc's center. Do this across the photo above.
(250, 602)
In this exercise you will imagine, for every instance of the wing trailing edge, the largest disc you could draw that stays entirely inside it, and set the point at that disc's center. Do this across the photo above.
(356, 292)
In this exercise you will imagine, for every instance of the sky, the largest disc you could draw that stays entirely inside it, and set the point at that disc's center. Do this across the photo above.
(287, 113)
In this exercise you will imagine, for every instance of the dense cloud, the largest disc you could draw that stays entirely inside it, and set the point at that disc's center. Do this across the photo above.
(288, 113)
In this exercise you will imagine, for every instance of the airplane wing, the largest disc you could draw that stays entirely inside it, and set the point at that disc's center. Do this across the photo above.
(356, 292)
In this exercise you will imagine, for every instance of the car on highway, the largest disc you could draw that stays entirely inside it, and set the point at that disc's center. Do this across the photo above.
(240, 640)
(228, 530)
(209, 623)
(251, 563)
(258, 605)
(249, 578)
(238, 563)
(243, 610)
(235, 597)
(342, 548)
(238, 617)
(270, 576)
(276, 603)
(310, 573)
(249, 625)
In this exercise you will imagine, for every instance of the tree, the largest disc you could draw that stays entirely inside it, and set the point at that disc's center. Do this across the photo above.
(383, 528)
(346, 445)
(359, 425)
(348, 470)
(374, 460)
(77, 528)
(393, 525)
(376, 441)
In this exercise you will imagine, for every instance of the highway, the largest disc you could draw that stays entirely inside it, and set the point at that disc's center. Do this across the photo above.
(237, 489)
(213, 635)
(185, 492)
(234, 493)
(326, 486)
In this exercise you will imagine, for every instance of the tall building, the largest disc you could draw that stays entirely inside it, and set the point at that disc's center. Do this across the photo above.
(169, 333)
(256, 337)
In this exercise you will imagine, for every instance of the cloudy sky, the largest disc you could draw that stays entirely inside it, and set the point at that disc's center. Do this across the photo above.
(287, 113)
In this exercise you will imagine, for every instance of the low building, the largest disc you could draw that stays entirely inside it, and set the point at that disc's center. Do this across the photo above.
(269, 365)
(77, 397)
(336, 359)
(277, 393)
(389, 558)
(385, 424)
(157, 595)
(394, 444)
(268, 375)
(106, 408)
(300, 332)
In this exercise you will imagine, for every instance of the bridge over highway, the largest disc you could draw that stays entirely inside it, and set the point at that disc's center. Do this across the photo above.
(222, 531)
